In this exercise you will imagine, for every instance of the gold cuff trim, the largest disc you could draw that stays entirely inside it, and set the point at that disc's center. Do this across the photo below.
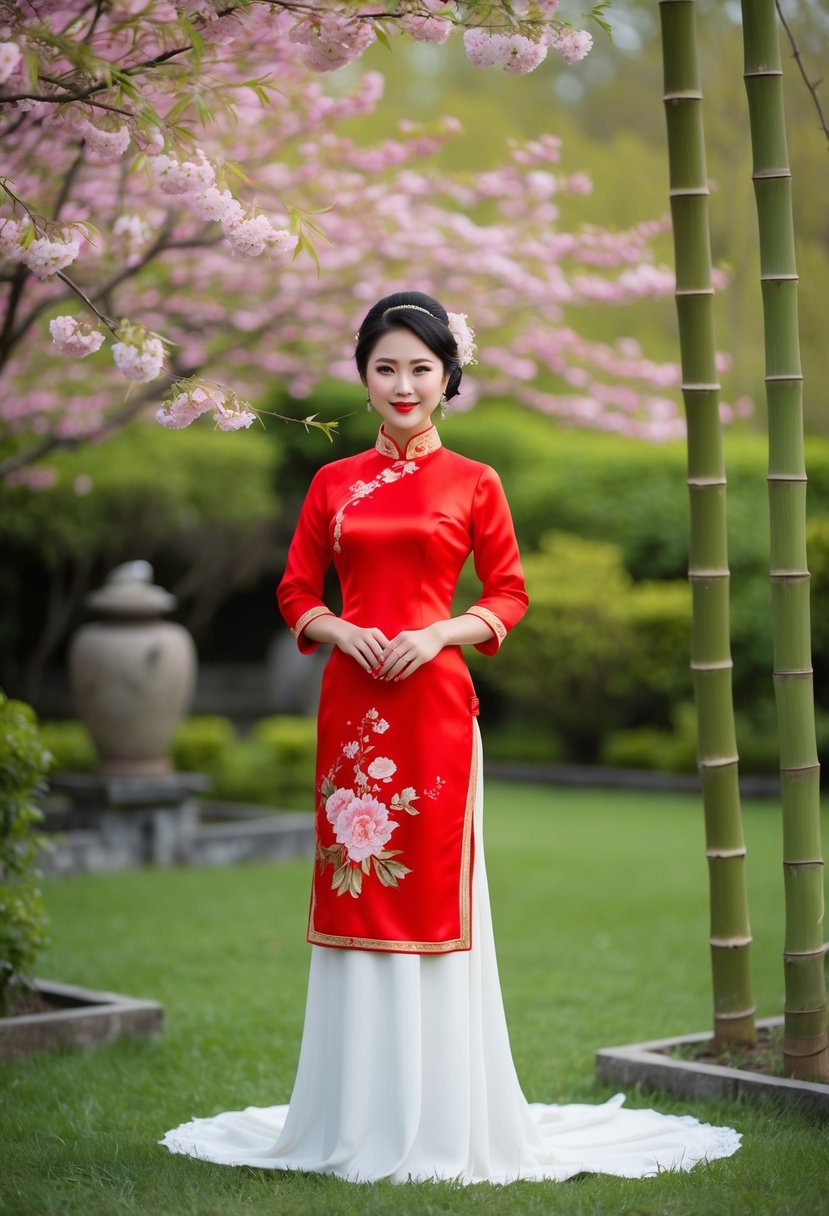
(419, 445)
(307, 617)
(495, 623)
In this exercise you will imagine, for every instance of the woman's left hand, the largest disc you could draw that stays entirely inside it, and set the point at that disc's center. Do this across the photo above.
(408, 651)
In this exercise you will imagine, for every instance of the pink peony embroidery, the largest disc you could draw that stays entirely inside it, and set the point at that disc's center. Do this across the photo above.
(382, 769)
(364, 827)
(337, 802)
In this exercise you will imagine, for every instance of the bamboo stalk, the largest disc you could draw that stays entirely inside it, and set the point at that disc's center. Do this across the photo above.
(718, 763)
(806, 1040)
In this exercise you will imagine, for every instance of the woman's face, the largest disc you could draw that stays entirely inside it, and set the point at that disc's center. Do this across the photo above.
(405, 381)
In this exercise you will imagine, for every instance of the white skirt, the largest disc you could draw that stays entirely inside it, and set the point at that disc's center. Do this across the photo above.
(405, 1072)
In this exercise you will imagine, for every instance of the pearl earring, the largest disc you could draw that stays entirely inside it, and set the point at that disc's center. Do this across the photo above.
(443, 404)
(369, 406)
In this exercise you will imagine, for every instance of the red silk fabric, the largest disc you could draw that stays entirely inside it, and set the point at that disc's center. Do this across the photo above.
(395, 781)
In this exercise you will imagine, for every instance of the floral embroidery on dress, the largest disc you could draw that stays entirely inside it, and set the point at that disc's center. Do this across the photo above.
(364, 489)
(359, 813)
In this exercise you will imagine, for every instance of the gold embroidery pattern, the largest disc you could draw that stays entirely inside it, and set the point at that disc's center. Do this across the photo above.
(365, 489)
(307, 617)
(464, 896)
(495, 623)
(419, 445)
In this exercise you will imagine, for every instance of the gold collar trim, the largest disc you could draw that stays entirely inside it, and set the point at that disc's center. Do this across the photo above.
(419, 445)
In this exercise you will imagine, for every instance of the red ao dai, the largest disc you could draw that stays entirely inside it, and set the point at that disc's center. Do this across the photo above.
(395, 780)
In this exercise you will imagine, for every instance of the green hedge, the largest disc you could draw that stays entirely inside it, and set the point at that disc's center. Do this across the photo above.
(24, 762)
(596, 651)
(274, 766)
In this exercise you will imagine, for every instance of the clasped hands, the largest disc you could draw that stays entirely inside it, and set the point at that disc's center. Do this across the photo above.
(389, 659)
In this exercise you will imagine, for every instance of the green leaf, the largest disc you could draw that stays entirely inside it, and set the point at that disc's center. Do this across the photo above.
(382, 36)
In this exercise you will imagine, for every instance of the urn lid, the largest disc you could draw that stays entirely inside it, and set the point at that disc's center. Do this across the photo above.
(129, 590)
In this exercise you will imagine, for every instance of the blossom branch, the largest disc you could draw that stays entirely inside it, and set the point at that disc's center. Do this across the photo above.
(813, 88)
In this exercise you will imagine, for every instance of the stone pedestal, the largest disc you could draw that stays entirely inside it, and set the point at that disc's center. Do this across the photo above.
(137, 820)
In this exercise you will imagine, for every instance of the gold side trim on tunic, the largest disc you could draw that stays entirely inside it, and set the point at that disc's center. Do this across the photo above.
(390, 946)
(307, 617)
(495, 623)
(419, 445)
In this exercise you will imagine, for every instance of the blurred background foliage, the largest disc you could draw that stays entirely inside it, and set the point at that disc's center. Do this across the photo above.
(598, 671)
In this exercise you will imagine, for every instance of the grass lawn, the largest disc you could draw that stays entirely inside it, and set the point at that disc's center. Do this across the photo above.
(600, 908)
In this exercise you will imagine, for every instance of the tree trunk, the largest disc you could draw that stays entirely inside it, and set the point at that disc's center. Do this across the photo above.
(805, 1042)
(708, 568)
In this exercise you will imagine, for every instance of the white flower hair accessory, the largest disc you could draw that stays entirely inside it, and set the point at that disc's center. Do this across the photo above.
(464, 336)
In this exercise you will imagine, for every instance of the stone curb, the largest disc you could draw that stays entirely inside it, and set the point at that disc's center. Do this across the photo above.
(644, 1064)
(90, 1019)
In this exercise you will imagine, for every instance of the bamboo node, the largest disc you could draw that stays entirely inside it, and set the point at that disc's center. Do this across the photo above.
(693, 291)
(794, 477)
(801, 768)
(779, 278)
(791, 956)
(707, 481)
(793, 673)
(760, 175)
(689, 192)
(789, 378)
(816, 863)
(748, 73)
(726, 853)
(682, 95)
(801, 1049)
(734, 1015)
(720, 665)
(700, 572)
(729, 943)
(717, 762)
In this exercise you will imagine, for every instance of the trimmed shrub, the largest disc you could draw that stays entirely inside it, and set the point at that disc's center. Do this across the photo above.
(24, 763)
(70, 744)
(201, 742)
(596, 651)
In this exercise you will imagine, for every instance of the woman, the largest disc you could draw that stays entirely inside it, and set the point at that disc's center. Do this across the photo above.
(405, 1069)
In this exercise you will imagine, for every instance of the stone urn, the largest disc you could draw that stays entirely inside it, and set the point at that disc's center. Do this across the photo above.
(132, 674)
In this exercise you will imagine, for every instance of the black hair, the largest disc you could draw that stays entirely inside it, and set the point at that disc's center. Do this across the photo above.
(426, 319)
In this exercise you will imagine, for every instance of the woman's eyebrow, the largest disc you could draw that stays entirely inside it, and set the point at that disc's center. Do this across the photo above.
(383, 359)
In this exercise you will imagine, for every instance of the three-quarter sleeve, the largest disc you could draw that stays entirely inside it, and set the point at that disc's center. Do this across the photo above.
(299, 594)
(504, 598)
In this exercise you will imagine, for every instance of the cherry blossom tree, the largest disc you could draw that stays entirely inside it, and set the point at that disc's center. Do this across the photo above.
(186, 162)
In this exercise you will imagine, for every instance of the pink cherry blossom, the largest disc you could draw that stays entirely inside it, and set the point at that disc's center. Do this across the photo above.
(424, 28)
(181, 177)
(572, 45)
(46, 256)
(141, 359)
(186, 407)
(9, 59)
(364, 827)
(74, 337)
(233, 419)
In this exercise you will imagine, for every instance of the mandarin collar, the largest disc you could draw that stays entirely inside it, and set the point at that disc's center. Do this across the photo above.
(419, 445)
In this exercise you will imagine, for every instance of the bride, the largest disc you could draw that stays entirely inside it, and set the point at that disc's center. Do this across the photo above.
(405, 1069)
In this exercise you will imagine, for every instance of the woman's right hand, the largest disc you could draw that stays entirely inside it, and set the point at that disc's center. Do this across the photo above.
(366, 645)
